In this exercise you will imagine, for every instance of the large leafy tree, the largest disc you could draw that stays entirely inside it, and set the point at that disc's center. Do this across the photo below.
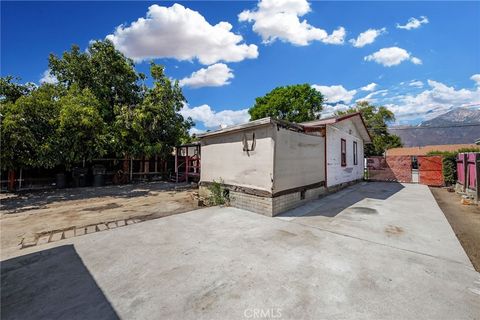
(97, 107)
(105, 71)
(295, 103)
(81, 131)
(376, 118)
(154, 126)
(28, 128)
(11, 90)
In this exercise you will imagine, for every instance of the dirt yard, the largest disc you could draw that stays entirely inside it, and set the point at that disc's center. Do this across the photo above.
(29, 215)
(465, 222)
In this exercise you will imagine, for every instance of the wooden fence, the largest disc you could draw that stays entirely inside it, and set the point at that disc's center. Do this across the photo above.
(468, 171)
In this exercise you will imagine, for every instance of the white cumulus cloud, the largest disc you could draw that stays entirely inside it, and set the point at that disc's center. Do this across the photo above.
(48, 77)
(476, 78)
(413, 23)
(330, 110)
(437, 99)
(416, 83)
(195, 131)
(216, 75)
(415, 60)
(280, 19)
(367, 37)
(180, 33)
(215, 119)
(371, 96)
(369, 87)
(392, 56)
(335, 93)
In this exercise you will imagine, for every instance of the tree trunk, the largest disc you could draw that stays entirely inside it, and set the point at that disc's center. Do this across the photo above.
(11, 180)
(126, 167)
(146, 167)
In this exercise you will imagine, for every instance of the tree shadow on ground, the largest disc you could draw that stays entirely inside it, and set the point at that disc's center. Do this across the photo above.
(39, 199)
(332, 204)
(51, 284)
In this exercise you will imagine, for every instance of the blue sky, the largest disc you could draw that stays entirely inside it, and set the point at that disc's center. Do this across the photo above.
(419, 59)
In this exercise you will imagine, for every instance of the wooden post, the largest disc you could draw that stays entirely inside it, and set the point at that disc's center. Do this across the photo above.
(176, 165)
(125, 167)
(146, 167)
(465, 172)
(20, 180)
(477, 178)
(11, 180)
(186, 165)
(131, 169)
(142, 163)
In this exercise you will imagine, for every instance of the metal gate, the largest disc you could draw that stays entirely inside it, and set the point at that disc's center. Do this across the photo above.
(430, 170)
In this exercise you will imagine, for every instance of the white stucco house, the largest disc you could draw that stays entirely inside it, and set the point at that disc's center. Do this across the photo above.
(270, 166)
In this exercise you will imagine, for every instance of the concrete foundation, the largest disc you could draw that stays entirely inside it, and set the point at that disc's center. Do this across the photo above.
(272, 206)
(268, 205)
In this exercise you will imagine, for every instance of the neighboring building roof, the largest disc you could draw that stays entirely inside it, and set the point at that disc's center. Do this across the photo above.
(329, 120)
(422, 151)
(355, 117)
(306, 127)
(251, 124)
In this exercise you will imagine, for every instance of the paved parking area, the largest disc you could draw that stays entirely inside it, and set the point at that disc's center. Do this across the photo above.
(372, 251)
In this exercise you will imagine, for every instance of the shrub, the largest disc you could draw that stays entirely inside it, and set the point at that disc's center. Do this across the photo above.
(218, 194)
(449, 163)
(449, 169)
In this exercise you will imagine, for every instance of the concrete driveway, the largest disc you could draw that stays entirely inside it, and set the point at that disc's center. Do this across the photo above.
(373, 251)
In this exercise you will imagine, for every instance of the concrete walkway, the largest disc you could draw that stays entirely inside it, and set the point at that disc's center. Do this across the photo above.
(347, 262)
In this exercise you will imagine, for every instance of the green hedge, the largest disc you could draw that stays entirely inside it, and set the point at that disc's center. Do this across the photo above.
(449, 163)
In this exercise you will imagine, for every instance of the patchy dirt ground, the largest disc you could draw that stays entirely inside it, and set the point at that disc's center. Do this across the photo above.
(465, 222)
(28, 215)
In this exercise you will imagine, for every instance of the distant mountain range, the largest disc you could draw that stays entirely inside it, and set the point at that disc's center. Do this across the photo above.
(460, 125)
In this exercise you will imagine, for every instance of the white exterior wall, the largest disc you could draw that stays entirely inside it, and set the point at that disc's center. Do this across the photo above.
(223, 158)
(299, 159)
(336, 174)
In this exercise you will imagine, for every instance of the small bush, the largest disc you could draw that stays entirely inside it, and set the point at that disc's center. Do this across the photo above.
(218, 194)
(449, 163)
(449, 169)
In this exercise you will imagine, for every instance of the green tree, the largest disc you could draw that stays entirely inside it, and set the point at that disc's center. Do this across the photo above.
(154, 126)
(109, 75)
(27, 128)
(10, 91)
(376, 118)
(81, 131)
(295, 103)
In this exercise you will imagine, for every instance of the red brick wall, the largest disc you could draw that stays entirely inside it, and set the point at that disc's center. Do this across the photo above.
(430, 169)
(391, 168)
(399, 168)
